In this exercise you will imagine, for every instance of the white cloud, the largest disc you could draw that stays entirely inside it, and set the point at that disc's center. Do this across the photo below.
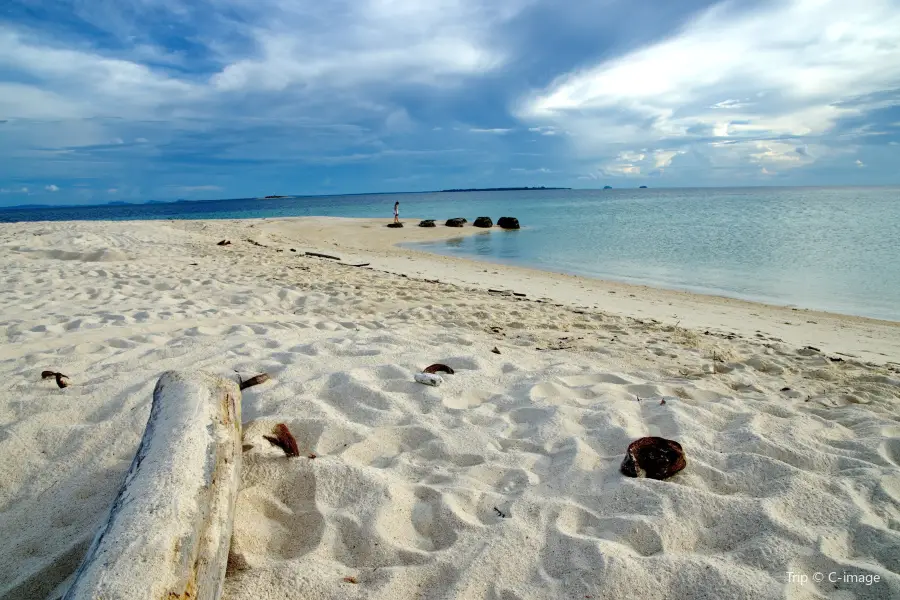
(626, 164)
(51, 188)
(635, 163)
(545, 130)
(664, 158)
(496, 130)
(860, 163)
(788, 68)
(22, 190)
(539, 170)
(370, 42)
(80, 83)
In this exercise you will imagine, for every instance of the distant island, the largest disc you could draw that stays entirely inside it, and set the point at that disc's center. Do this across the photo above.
(507, 189)
(643, 187)
(16, 206)
(607, 187)
(273, 197)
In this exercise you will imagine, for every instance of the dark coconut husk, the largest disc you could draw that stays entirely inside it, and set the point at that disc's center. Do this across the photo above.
(283, 439)
(654, 458)
(61, 380)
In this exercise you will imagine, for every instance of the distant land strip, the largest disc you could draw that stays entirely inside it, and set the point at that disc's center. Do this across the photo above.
(506, 189)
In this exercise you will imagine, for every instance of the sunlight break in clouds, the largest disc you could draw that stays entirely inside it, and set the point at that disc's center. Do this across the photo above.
(791, 69)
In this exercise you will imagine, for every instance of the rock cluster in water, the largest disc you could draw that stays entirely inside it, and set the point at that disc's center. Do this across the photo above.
(508, 223)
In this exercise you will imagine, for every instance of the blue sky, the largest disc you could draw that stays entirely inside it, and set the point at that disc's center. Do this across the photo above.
(104, 100)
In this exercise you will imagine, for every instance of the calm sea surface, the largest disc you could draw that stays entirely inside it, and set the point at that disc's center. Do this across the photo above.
(835, 249)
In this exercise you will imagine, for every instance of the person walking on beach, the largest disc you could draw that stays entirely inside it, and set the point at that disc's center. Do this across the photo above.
(397, 212)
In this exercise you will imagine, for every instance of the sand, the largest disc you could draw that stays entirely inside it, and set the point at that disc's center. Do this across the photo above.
(503, 483)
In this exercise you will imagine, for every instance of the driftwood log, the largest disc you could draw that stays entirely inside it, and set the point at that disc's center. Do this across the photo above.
(169, 530)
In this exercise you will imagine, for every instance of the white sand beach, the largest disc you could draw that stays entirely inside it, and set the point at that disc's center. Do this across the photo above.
(501, 484)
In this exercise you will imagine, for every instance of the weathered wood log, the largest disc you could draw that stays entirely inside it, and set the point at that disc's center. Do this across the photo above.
(169, 529)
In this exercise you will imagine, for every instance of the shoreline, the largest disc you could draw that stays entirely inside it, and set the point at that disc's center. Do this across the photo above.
(369, 240)
(637, 283)
(872, 339)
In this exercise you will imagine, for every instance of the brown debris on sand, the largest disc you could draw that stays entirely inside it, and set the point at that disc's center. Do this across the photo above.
(61, 380)
(283, 439)
(438, 368)
(654, 458)
(224, 243)
(255, 380)
(320, 255)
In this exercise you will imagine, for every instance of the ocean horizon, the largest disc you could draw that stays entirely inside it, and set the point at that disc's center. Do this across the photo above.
(823, 248)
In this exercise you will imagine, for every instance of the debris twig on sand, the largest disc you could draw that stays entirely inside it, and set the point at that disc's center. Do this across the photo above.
(283, 439)
(350, 580)
(255, 380)
(654, 458)
(322, 255)
(438, 368)
(496, 350)
(60, 378)
(255, 243)
(360, 265)
(224, 243)
(500, 513)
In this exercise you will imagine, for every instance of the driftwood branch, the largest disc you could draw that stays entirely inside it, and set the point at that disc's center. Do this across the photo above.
(322, 255)
(169, 529)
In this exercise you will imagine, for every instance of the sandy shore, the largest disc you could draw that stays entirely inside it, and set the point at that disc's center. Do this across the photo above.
(503, 483)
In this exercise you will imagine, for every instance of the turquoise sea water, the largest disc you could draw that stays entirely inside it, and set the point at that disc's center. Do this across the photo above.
(835, 249)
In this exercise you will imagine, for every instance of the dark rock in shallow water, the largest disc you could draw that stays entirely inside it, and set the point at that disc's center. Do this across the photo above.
(427, 223)
(654, 458)
(483, 222)
(395, 225)
(455, 222)
(508, 222)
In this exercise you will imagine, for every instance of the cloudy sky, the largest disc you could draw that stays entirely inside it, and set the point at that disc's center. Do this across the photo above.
(106, 100)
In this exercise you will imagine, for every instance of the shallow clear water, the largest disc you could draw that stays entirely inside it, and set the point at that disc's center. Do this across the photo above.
(835, 249)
